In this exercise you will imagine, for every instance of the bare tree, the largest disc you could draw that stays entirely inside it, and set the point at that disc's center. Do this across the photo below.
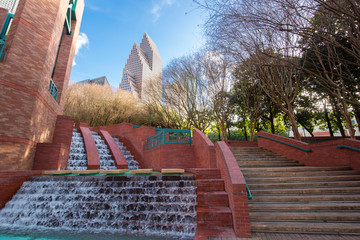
(218, 81)
(246, 28)
(248, 95)
(184, 90)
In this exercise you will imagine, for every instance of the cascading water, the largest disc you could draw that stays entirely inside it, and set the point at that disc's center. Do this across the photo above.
(106, 161)
(144, 205)
(132, 164)
(77, 157)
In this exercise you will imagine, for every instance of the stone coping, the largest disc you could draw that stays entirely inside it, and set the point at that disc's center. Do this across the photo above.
(172, 170)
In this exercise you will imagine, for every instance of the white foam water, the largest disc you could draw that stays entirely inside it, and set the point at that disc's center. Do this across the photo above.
(142, 205)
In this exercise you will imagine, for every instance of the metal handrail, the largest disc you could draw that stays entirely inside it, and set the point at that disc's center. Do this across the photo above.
(3, 33)
(347, 147)
(168, 136)
(155, 140)
(249, 196)
(288, 144)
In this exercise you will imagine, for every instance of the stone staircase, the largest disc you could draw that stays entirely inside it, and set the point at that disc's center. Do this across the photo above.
(214, 217)
(291, 197)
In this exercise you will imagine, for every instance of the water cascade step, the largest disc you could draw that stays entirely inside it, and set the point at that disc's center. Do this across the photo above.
(77, 157)
(106, 161)
(132, 164)
(152, 205)
(289, 197)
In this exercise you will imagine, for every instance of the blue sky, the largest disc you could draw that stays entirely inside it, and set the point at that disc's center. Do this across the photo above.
(109, 29)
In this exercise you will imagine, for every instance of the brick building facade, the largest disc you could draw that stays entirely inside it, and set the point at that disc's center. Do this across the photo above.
(35, 69)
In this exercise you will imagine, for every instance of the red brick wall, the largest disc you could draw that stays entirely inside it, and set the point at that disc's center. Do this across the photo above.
(55, 155)
(204, 150)
(133, 138)
(3, 14)
(51, 156)
(164, 156)
(235, 186)
(28, 112)
(169, 156)
(91, 150)
(119, 159)
(321, 154)
(11, 181)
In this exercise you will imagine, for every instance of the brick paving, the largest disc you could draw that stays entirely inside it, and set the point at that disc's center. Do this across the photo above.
(294, 236)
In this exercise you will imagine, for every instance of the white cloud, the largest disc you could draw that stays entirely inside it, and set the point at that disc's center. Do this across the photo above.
(158, 6)
(82, 41)
(155, 11)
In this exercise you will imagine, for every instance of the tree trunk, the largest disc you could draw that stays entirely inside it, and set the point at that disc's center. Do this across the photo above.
(218, 128)
(223, 131)
(291, 116)
(245, 131)
(348, 119)
(308, 130)
(328, 121)
(272, 121)
(337, 117)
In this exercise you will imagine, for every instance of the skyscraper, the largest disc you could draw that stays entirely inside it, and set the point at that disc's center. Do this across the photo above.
(142, 74)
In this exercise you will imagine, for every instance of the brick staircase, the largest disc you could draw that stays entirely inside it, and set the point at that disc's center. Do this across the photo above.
(214, 217)
(290, 197)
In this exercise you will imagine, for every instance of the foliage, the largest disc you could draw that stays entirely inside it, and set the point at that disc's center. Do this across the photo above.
(99, 105)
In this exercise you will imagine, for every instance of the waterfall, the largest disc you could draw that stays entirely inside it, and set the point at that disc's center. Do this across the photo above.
(106, 161)
(151, 205)
(77, 157)
(132, 164)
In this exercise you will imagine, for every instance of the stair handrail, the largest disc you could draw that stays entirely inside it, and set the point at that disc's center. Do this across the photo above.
(164, 135)
(155, 140)
(348, 147)
(249, 196)
(285, 143)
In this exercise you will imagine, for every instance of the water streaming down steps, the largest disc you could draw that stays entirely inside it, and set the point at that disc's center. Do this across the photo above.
(77, 157)
(106, 161)
(132, 164)
(143, 205)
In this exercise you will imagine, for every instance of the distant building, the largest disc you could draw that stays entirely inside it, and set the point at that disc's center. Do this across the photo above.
(142, 74)
(100, 81)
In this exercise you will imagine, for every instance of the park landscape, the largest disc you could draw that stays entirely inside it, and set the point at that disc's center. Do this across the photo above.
(253, 135)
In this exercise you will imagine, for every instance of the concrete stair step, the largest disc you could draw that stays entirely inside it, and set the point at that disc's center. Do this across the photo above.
(317, 206)
(259, 155)
(245, 148)
(306, 190)
(270, 164)
(293, 169)
(212, 199)
(303, 184)
(251, 179)
(216, 216)
(302, 173)
(259, 161)
(305, 216)
(305, 198)
(209, 185)
(306, 227)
